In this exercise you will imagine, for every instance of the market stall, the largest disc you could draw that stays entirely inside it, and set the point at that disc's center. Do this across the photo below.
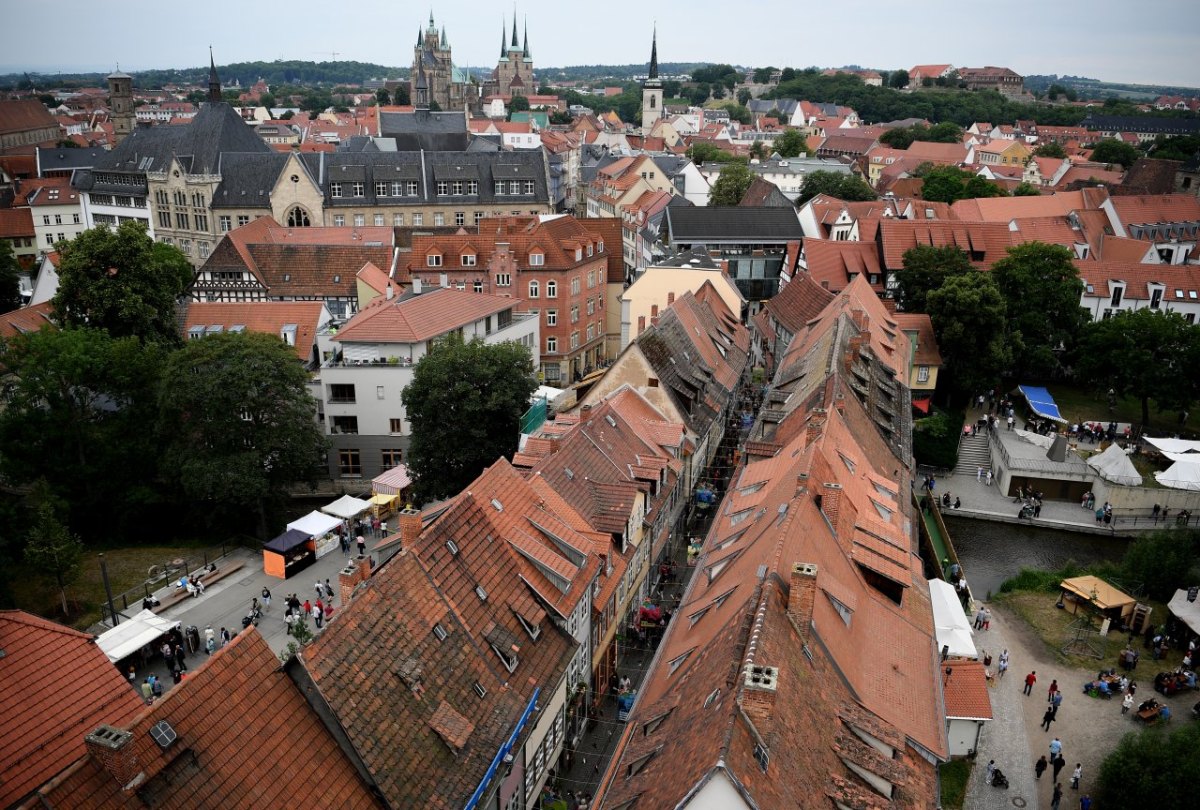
(1041, 403)
(134, 634)
(1106, 600)
(395, 481)
(1114, 465)
(347, 507)
(289, 553)
(950, 622)
(383, 506)
(320, 528)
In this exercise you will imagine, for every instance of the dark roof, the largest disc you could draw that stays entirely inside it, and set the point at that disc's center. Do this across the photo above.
(764, 194)
(395, 687)
(693, 257)
(424, 129)
(1143, 123)
(671, 165)
(55, 160)
(1150, 176)
(427, 168)
(247, 179)
(733, 224)
(25, 115)
(198, 145)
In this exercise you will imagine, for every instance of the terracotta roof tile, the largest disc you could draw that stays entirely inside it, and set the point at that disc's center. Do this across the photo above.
(267, 317)
(417, 318)
(964, 685)
(27, 319)
(16, 223)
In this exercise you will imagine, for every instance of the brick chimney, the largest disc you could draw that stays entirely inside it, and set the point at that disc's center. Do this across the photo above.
(641, 324)
(113, 749)
(408, 524)
(759, 685)
(356, 571)
(670, 298)
(816, 426)
(831, 502)
(802, 592)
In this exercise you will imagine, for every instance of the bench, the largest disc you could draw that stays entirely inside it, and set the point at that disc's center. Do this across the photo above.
(181, 594)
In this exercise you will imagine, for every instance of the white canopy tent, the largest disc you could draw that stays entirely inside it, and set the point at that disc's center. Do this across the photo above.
(315, 524)
(1187, 612)
(1114, 465)
(144, 627)
(950, 622)
(1186, 458)
(1035, 438)
(1174, 445)
(347, 507)
(1180, 475)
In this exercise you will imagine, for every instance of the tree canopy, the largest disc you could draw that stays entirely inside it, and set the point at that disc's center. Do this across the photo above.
(926, 268)
(518, 104)
(10, 283)
(1050, 149)
(949, 184)
(702, 152)
(903, 137)
(899, 79)
(835, 184)
(51, 549)
(1145, 353)
(1158, 762)
(731, 185)
(1026, 190)
(968, 315)
(239, 423)
(464, 403)
(1042, 289)
(791, 144)
(121, 281)
(1110, 150)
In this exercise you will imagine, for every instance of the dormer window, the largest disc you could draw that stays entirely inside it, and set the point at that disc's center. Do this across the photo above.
(1117, 294)
(532, 629)
(1156, 296)
(507, 657)
(537, 259)
(578, 254)
(433, 260)
(468, 260)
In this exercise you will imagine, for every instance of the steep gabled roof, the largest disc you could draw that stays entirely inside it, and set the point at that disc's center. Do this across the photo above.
(417, 318)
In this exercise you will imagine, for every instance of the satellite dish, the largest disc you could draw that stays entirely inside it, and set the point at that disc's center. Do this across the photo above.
(163, 734)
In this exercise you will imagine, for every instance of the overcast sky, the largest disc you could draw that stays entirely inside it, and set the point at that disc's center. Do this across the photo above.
(1151, 41)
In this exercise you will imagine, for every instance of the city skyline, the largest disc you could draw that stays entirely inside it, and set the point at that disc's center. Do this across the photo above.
(1059, 39)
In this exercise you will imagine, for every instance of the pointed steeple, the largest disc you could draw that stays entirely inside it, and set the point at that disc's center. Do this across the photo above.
(514, 39)
(445, 44)
(214, 83)
(503, 44)
(420, 37)
(431, 26)
(654, 55)
(525, 47)
(421, 89)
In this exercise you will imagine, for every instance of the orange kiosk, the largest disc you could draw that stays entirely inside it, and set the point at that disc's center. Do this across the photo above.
(289, 553)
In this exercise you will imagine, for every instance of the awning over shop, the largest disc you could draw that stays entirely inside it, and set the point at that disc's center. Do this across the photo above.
(346, 507)
(1040, 402)
(287, 541)
(315, 524)
(134, 633)
(922, 404)
(393, 481)
(950, 623)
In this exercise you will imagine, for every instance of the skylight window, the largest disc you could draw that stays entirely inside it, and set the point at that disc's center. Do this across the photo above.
(750, 490)
(848, 462)
(738, 517)
(676, 662)
(439, 632)
(883, 511)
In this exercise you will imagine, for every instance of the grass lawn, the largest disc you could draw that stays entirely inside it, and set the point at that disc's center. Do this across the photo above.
(127, 568)
(954, 776)
(1079, 404)
(1052, 626)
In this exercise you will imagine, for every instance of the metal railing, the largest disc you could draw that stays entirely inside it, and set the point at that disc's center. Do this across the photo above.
(162, 575)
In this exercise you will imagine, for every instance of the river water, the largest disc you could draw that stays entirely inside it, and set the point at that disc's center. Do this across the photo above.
(992, 552)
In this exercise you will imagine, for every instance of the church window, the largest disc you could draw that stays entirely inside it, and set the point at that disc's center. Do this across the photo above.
(652, 102)
(297, 217)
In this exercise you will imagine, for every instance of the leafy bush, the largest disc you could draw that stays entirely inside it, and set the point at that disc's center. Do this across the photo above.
(935, 439)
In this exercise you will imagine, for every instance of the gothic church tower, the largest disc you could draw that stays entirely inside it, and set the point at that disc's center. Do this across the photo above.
(652, 92)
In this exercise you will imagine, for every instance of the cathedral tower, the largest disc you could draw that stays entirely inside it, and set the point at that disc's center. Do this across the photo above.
(120, 104)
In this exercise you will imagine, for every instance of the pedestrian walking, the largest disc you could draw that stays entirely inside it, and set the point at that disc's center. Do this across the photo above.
(991, 769)
(979, 474)
(1085, 802)
(1040, 767)
(147, 691)
(156, 686)
(210, 640)
(1053, 688)
(1055, 750)
(318, 614)
(362, 545)
(225, 637)
(266, 599)
(1047, 719)
(1076, 775)
(987, 619)
(1059, 763)
(1030, 680)
(979, 618)
(1056, 701)
(307, 608)
(988, 478)
(1056, 799)
(1126, 703)
(288, 619)
(328, 592)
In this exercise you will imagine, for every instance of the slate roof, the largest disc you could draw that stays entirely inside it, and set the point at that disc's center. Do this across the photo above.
(1143, 123)
(427, 169)
(247, 179)
(217, 713)
(57, 159)
(438, 131)
(41, 733)
(417, 318)
(198, 145)
(379, 659)
(714, 224)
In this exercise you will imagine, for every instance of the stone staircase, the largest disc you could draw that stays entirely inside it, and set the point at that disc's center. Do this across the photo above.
(973, 453)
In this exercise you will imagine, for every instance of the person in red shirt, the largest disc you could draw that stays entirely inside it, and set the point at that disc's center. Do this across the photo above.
(1030, 680)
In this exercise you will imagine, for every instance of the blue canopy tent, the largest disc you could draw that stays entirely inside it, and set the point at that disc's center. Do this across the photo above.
(1041, 403)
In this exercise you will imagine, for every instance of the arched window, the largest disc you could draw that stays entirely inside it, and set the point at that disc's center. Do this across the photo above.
(298, 218)
(533, 289)
(652, 102)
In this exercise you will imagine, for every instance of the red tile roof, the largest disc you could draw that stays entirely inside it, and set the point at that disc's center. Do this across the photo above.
(24, 115)
(926, 351)
(417, 318)
(27, 319)
(984, 242)
(964, 685)
(58, 686)
(1180, 280)
(1004, 209)
(267, 317)
(1154, 208)
(832, 264)
(217, 713)
(16, 223)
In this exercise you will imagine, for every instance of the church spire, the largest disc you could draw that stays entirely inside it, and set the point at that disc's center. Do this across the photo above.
(214, 83)
(654, 54)
(421, 88)
(525, 47)
(503, 52)
(445, 44)
(514, 39)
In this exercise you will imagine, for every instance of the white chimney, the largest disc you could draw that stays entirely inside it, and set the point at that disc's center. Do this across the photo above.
(416, 285)
(391, 292)
(443, 280)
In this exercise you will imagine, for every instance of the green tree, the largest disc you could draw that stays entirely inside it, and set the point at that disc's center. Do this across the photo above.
(1026, 190)
(1179, 147)
(1042, 290)
(968, 315)
(671, 88)
(288, 115)
(845, 187)
(737, 113)
(731, 185)
(763, 75)
(1161, 561)
(758, 150)
(518, 104)
(50, 549)
(926, 268)
(791, 144)
(400, 96)
(1050, 149)
(121, 281)
(1110, 150)
(238, 423)
(1158, 762)
(949, 184)
(700, 93)
(702, 152)
(1054, 91)
(80, 403)
(267, 100)
(465, 403)
(899, 79)
(1142, 353)
(383, 97)
(10, 278)
(787, 74)
(898, 137)
(744, 96)
(560, 117)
